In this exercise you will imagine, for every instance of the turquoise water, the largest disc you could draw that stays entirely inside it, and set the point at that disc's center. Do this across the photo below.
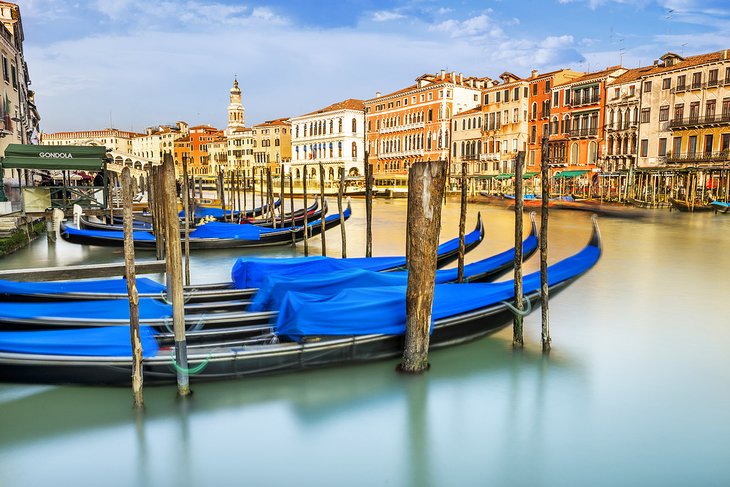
(635, 391)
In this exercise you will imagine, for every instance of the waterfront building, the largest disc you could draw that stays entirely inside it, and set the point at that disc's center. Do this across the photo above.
(19, 116)
(181, 148)
(685, 111)
(623, 97)
(271, 146)
(113, 139)
(577, 123)
(158, 141)
(199, 158)
(332, 136)
(505, 108)
(466, 144)
(413, 124)
(541, 103)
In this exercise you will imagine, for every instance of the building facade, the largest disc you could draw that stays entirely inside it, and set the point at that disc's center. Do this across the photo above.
(413, 124)
(158, 141)
(332, 136)
(623, 97)
(271, 146)
(114, 140)
(199, 159)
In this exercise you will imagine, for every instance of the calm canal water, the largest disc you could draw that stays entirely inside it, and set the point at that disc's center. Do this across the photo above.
(636, 391)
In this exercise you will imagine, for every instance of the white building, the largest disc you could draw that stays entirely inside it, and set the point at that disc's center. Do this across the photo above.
(332, 136)
(158, 141)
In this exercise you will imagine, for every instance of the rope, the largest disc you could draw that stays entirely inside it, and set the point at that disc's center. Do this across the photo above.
(195, 370)
(517, 312)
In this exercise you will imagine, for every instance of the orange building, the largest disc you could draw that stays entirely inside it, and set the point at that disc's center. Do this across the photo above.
(200, 136)
(541, 104)
(181, 147)
(413, 124)
(577, 123)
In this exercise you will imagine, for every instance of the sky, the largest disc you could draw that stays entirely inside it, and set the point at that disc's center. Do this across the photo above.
(132, 64)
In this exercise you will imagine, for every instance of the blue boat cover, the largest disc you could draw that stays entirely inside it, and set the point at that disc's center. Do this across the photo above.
(114, 286)
(251, 272)
(210, 211)
(382, 310)
(274, 287)
(112, 341)
(111, 234)
(720, 204)
(101, 310)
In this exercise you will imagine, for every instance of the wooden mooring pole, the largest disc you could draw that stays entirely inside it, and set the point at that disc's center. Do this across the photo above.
(291, 207)
(426, 187)
(321, 196)
(306, 219)
(368, 207)
(544, 294)
(174, 273)
(462, 225)
(517, 332)
(342, 215)
(137, 379)
(186, 209)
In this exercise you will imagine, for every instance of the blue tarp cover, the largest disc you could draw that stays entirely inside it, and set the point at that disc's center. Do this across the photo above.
(144, 286)
(251, 272)
(274, 287)
(113, 341)
(86, 310)
(111, 234)
(382, 310)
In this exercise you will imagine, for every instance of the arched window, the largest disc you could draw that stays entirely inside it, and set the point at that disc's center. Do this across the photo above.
(354, 148)
(354, 125)
(331, 125)
(339, 125)
(574, 153)
(592, 152)
(339, 149)
(428, 140)
(534, 110)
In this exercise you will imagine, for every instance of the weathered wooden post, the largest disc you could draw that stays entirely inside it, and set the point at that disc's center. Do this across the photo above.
(186, 210)
(174, 273)
(137, 379)
(462, 224)
(291, 207)
(342, 215)
(426, 185)
(306, 219)
(261, 190)
(517, 338)
(321, 196)
(281, 196)
(544, 294)
(368, 207)
(270, 192)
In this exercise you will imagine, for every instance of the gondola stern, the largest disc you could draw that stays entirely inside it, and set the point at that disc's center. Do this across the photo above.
(595, 239)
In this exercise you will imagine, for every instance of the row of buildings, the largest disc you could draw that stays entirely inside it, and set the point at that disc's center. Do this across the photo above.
(673, 113)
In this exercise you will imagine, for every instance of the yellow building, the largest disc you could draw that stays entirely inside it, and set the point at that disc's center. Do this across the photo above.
(271, 145)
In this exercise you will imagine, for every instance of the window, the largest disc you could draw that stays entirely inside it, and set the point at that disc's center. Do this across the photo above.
(516, 94)
(666, 83)
(430, 95)
(726, 109)
(498, 96)
(644, 147)
(547, 86)
(574, 153)
(664, 113)
(405, 102)
(354, 150)
(14, 76)
(526, 92)
(6, 74)
(708, 144)
(662, 147)
(696, 80)
(534, 89)
(694, 111)
(681, 82)
(354, 125)
(645, 115)
(506, 96)
(632, 89)
(710, 110)
(486, 99)
(647, 86)
(556, 99)
(678, 111)
(566, 97)
(712, 78)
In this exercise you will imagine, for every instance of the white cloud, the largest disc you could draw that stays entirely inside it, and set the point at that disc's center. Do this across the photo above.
(480, 25)
(386, 16)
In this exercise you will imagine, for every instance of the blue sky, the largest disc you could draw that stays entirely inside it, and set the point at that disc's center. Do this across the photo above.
(138, 63)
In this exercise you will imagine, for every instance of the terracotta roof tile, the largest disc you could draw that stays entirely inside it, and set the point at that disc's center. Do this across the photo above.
(349, 104)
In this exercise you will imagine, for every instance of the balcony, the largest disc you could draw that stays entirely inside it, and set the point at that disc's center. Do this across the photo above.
(402, 153)
(545, 114)
(621, 127)
(678, 89)
(689, 122)
(401, 128)
(583, 133)
(489, 156)
(695, 157)
(580, 101)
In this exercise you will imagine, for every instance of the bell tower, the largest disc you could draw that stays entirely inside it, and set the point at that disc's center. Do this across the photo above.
(235, 108)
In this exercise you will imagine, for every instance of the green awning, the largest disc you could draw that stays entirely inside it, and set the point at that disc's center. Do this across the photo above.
(55, 157)
(569, 174)
(529, 175)
(504, 176)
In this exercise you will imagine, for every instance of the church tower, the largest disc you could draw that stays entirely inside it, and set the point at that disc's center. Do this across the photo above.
(235, 109)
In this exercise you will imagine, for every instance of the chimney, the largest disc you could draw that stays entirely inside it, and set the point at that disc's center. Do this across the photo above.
(377, 94)
(443, 74)
(461, 79)
(534, 73)
(453, 76)
(656, 62)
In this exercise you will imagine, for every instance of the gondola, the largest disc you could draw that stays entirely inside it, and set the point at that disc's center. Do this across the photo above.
(157, 313)
(245, 269)
(201, 212)
(298, 215)
(356, 325)
(720, 206)
(690, 206)
(213, 235)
